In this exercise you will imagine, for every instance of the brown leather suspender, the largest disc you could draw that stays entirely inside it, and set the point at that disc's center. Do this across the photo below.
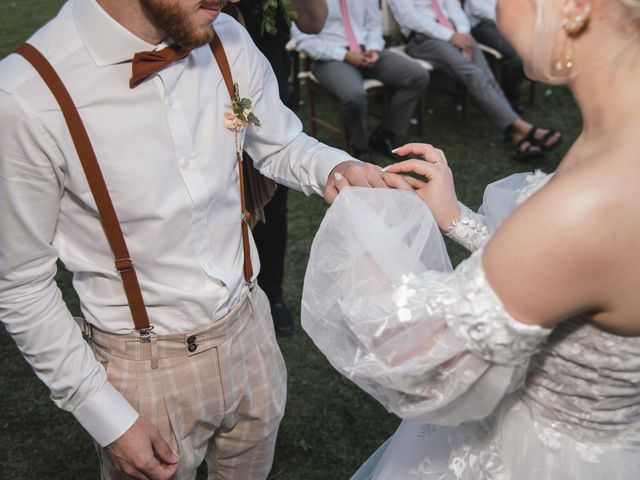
(223, 64)
(97, 185)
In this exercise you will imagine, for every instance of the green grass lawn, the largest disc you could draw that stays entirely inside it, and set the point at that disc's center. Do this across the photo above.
(330, 426)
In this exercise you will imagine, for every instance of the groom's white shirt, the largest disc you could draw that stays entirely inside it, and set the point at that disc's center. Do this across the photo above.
(170, 168)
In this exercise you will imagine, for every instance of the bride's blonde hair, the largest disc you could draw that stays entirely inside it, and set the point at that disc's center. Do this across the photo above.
(549, 22)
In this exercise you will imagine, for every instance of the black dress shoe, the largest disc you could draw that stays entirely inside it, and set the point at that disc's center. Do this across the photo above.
(382, 142)
(282, 318)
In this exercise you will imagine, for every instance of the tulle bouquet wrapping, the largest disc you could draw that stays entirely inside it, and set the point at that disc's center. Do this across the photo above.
(357, 305)
(381, 302)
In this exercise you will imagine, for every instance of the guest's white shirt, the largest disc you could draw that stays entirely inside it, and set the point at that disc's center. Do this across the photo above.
(331, 43)
(418, 16)
(170, 168)
(479, 10)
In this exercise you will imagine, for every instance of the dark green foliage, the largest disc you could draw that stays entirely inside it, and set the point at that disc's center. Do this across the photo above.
(269, 9)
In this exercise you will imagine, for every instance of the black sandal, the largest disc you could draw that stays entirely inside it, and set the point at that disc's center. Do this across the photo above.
(526, 149)
(541, 142)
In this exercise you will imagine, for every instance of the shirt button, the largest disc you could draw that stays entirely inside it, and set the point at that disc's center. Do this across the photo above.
(191, 339)
(192, 347)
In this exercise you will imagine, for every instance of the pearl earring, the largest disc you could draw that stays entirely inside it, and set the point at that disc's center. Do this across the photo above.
(576, 24)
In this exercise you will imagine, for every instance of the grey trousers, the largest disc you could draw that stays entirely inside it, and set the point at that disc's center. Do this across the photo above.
(487, 32)
(406, 78)
(475, 74)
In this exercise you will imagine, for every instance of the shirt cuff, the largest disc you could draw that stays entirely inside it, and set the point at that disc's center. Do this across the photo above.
(338, 53)
(106, 415)
(443, 33)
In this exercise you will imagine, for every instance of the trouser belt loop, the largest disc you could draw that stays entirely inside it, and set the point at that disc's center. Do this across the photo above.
(154, 352)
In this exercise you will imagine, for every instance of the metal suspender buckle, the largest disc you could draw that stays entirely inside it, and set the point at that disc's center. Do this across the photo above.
(144, 334)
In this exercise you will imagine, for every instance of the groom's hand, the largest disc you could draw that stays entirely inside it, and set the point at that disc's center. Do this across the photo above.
(142, 453)
(352, 173)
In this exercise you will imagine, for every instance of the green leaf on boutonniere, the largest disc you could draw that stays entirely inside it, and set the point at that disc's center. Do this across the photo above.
(253, 119)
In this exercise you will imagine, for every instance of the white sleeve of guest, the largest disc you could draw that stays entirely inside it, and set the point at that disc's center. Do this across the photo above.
(481, 9)
(373, 25)
(457, 15)
(316, 47)
(416, 16)
(31, 305)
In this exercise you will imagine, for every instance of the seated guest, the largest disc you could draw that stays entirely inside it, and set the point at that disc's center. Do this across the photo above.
(350, 48)
(482, 17)
(438, 31)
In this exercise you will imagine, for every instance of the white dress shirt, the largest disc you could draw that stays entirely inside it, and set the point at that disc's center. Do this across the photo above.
(478, 10)
(331, 43)
(418, 16)
(170, 168)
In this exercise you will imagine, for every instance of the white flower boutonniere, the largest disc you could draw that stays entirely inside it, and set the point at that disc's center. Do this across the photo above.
(241, 114)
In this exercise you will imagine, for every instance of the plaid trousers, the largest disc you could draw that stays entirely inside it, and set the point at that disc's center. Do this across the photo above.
(217, 394)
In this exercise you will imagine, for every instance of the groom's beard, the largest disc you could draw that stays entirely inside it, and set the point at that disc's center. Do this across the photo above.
(176, 21)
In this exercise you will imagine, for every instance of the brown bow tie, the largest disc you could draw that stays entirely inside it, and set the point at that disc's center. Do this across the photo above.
(146, 64)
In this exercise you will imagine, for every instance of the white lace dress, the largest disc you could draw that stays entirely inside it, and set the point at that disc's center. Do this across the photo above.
(484, 396)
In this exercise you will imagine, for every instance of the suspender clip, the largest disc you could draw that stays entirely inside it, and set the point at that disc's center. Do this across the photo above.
(144, 334)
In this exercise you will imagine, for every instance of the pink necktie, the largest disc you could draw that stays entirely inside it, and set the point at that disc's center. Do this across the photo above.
(354, 46)
(442, 20)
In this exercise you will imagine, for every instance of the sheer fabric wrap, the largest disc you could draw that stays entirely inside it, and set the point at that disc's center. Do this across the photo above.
(382, 302)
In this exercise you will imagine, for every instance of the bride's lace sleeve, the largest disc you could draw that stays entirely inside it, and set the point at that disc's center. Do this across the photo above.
(383, 304)
(470, 230)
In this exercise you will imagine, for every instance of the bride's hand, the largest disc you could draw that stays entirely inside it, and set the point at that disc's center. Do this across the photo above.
(438, 192)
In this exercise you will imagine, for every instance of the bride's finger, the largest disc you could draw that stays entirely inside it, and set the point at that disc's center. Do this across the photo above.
(398, 182)
(420, 167)
(414, 182)
(428, 152)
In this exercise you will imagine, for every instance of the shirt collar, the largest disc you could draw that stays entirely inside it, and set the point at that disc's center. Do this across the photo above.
(106, 40)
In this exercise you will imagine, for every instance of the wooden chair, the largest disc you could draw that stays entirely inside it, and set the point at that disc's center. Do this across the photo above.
(374, 88)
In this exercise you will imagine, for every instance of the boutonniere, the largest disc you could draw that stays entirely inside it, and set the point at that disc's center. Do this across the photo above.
(241, 114)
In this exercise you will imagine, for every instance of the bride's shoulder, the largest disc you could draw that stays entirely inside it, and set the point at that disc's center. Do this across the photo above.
(602, 190)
